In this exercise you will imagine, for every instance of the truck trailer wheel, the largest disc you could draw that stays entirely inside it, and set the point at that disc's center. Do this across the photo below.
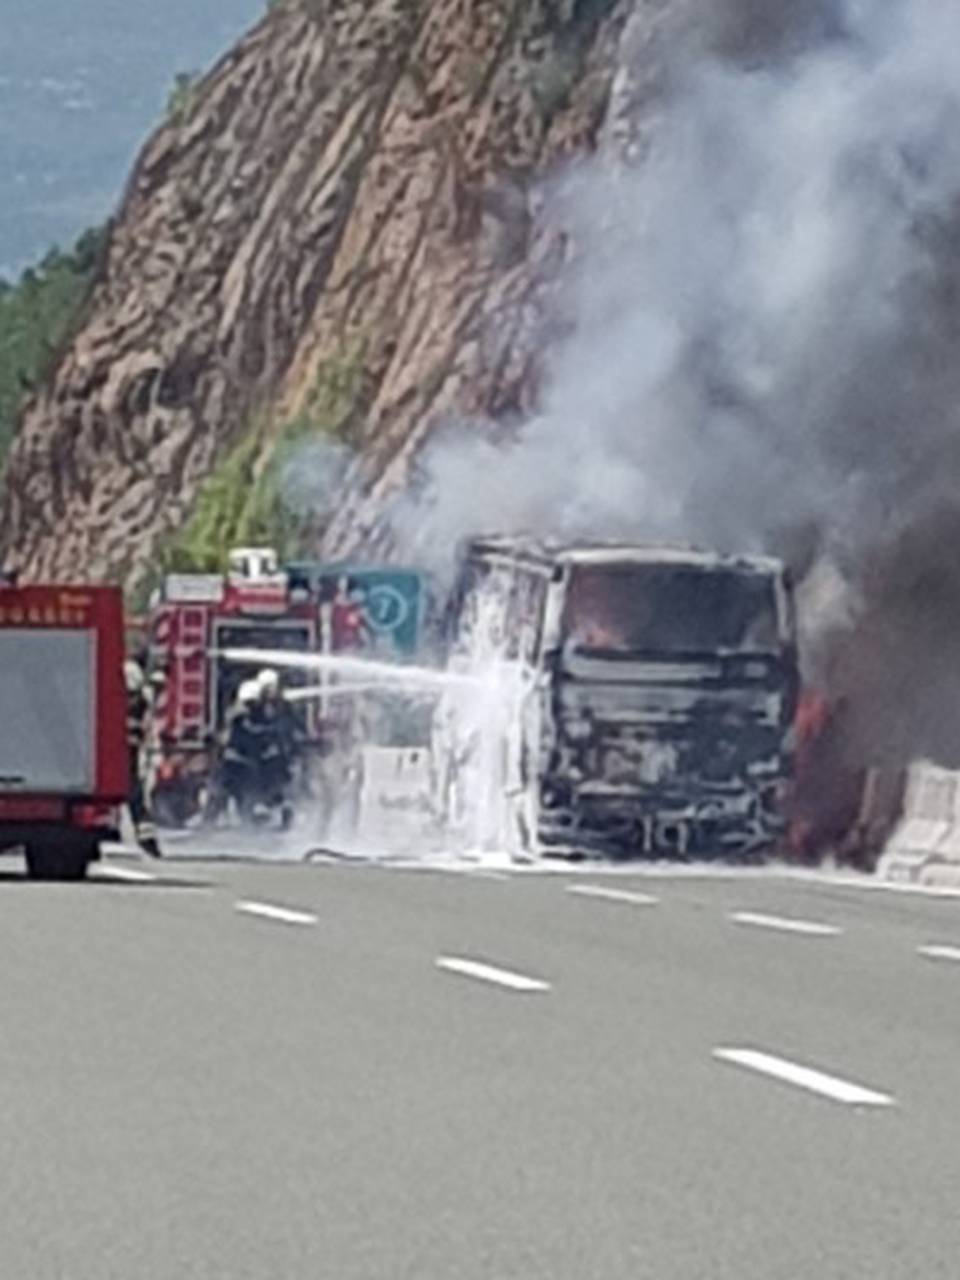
(63, 859)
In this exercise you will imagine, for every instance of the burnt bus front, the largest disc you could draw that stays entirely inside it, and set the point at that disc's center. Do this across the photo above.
(671, 687)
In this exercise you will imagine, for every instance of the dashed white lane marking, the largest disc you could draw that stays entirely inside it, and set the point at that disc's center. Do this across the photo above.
(805, 1077)
(490, 973)
(129, 874)
(613, 895)
(785, 924)
(936, 952)
(269, 912)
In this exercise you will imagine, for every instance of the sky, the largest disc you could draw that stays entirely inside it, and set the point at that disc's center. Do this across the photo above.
(82, 84)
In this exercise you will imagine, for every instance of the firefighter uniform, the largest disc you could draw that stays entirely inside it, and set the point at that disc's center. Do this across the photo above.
(279, 744)
(280, 720)
(239, 769)
(138, 709)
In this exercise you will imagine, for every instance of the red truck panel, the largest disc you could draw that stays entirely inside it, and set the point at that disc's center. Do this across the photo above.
(100, 610)
(184, 636)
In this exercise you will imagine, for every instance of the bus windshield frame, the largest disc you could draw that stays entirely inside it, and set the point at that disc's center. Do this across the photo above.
(653, 608)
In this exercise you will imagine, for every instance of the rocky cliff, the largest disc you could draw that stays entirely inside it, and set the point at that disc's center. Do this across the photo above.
(336, 227)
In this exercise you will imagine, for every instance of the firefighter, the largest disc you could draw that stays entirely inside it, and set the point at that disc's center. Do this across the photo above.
(138, 711)
(280, 743)
(240, 763)
(279, 714)
(268, 684)
(152, 749)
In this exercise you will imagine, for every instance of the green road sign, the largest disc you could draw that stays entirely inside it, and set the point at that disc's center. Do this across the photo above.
(392, 600)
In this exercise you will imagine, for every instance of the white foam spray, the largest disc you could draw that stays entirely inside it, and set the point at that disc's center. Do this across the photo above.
(450, 794)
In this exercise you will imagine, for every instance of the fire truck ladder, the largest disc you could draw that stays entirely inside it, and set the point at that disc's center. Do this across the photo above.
(191, 663)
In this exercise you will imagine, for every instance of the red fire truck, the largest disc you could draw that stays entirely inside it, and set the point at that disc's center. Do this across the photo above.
(193, 621)
(63, 751)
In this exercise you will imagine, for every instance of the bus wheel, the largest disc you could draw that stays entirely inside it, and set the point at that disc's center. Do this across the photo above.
(63, 859)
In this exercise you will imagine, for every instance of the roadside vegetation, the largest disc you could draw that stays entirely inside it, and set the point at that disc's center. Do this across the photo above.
(37, 315)
(182, 97)
(241, 504)
(262, 492)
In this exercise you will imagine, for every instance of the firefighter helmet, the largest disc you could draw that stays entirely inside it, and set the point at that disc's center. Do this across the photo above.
(133, 676)
(248, 692)
(268, 681)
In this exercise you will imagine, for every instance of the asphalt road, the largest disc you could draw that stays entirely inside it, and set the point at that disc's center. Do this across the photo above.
(271, 1071)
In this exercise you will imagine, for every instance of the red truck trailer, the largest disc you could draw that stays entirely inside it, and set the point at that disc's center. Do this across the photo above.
(63, 751)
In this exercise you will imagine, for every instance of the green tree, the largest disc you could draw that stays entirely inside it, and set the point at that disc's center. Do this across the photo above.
(36, 316)
(246, 500)
(182, 96)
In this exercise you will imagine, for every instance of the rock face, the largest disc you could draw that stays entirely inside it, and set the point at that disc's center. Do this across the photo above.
(355, 181)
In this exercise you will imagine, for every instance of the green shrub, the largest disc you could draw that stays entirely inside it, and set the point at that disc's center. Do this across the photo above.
(239, 505)
(37, 315)
(244, 503)
(553, 80)
(339, 389)
(182, 96)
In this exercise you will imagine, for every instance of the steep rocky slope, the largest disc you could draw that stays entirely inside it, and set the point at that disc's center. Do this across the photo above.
(337, 228)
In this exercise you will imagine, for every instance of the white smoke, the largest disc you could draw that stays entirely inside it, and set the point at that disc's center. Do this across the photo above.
(763, 348)
(312, 477)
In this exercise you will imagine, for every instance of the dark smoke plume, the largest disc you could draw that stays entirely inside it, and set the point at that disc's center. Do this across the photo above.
(751, 32)
(763, 350)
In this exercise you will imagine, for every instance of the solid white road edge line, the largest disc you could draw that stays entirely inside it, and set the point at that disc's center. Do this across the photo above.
(613, 895)
(835, 881)
(785, 924)
(472, 873)
(490, 973)
(937, 952)
(805, 1077)
(107, 872)
(283, 914)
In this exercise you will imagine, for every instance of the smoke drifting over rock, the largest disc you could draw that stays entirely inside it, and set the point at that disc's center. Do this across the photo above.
(762, 350)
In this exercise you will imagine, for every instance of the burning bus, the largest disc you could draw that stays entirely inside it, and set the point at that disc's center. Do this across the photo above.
(627, 700)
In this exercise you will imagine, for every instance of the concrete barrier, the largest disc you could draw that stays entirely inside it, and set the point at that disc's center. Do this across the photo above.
(942, 868)
(929, 831)
(396, 793)
(881, 808)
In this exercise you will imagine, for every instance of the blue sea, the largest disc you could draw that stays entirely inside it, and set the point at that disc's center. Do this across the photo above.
(82, 83)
